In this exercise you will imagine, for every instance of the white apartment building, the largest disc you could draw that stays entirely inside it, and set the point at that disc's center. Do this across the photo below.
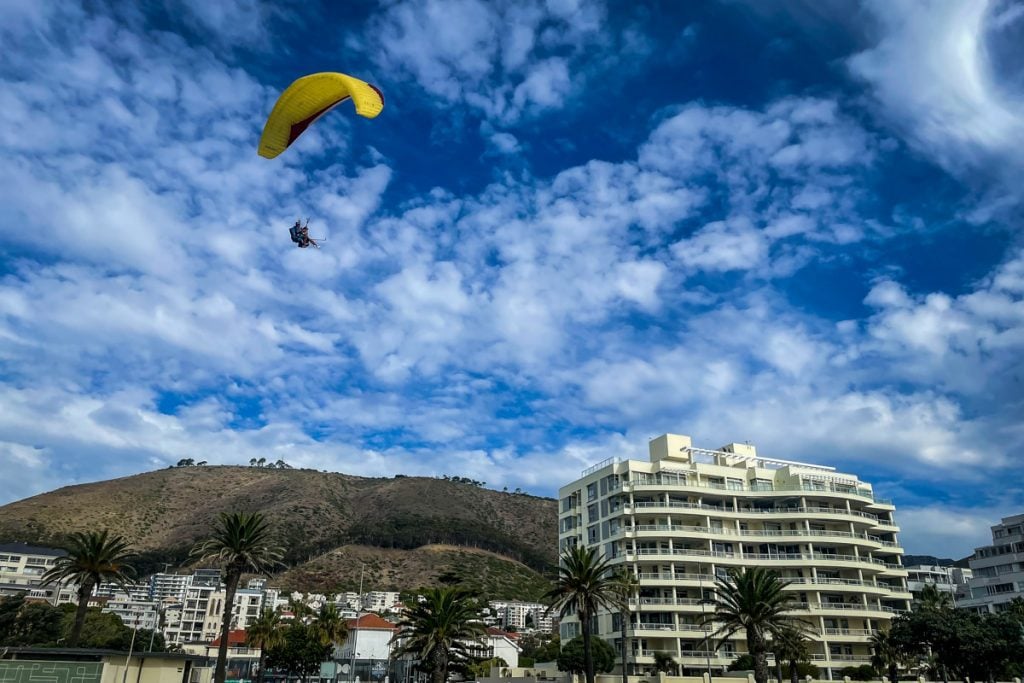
(133, 591)
(521, 616)
(687, 515)
(143, 614)
(201, 611)
(22, 567)
(164, 586)
(952, 580)
(998, 568)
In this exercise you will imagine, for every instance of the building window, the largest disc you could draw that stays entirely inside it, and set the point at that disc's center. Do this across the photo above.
(591, 491)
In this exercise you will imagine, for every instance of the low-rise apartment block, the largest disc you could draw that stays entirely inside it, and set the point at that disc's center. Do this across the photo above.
(998, 568)
(22, 567)
(687, 515)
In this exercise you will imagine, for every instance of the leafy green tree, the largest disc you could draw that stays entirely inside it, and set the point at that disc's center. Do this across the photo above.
(300, 653)
(584, 585)
(573, 660)
(29, 623)
(241, 542)
(93, 557)
(745, 662)
(864, 672)
(751, 600)
(266, 633)
(482, 668)
(664, 662)
(440, 630)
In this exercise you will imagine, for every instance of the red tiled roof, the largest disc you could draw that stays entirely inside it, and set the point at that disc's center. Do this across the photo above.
(511, 635)
(235, 639)
(368, 621)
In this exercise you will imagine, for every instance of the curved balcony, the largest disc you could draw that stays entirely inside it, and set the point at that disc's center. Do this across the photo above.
(643, 506)
(684, 531)
(797, 559)
(745, 490)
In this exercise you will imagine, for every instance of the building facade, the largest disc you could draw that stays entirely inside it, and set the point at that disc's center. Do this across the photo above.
(22, 567)
(521, 616)
(199, 619)
(951, 580)
(687, 515)
(998, 568)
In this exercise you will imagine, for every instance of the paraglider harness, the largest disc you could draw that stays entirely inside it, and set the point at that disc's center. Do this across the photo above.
(300, 235)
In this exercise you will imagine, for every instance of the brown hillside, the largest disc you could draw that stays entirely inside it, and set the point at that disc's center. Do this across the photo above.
(321, 519)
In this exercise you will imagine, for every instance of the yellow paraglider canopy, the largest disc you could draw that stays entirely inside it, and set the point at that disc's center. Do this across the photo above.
(309, 98)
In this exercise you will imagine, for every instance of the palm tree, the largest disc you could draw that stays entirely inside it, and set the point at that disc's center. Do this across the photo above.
(789, 644)
(750, 600)
(440, 630)
(584, 585)
(93, 557)
(886, 654)
(329, 627)
(241, 541)
(933, 599)
(265, 633)
(627, 584)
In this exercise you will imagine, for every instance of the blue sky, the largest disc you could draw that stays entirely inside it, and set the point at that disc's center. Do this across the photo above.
(577, 224)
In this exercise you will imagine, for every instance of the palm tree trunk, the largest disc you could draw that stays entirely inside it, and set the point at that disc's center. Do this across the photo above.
(794, 671)
(440, 673)
(778, 668)
(263, 659)
(84, 593)
(758, 651)
(623, 616)
(588, 659)
(231, 587)
(894, 672)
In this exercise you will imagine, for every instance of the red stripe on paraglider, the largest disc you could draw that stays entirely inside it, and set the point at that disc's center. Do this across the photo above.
(299, 127)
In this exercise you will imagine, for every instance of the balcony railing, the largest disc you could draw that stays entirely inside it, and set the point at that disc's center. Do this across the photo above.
(764, 511)
(860, 492)
(782, 557)
(756, 533)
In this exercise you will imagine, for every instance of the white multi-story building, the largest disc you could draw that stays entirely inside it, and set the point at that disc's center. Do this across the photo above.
(950, 580)
(998, 568)
(22, 567)
(132, 591)
(687, 515)
(143, 614)
(521, 616)
(202, 610)
(169, 586)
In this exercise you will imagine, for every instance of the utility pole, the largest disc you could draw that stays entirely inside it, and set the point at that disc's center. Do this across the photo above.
(131, 647)
(359, 611)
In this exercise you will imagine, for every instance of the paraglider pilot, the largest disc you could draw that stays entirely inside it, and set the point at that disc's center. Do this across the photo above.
(300, 235)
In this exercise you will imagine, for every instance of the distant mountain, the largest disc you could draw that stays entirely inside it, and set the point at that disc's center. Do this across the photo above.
(912, 560)
(405, 531)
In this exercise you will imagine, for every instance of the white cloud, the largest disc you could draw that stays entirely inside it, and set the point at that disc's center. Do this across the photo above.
(931, 69)
(505, 60)
(945, 531)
